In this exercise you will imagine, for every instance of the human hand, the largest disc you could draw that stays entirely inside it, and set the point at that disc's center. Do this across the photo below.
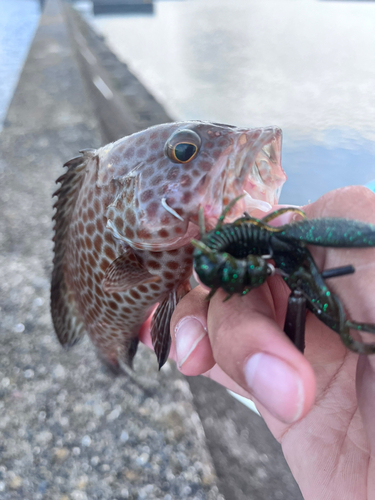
(321, 405)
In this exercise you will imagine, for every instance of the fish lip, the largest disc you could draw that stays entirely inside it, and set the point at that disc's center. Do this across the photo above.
(253, 168)
(259, 171)
(267, 148)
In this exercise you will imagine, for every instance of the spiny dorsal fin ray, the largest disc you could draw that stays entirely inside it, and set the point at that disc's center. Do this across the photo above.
(66, 319)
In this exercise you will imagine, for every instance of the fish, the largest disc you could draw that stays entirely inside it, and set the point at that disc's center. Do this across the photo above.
(125, 215)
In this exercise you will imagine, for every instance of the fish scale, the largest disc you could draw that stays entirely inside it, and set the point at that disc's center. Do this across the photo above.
(125, 216)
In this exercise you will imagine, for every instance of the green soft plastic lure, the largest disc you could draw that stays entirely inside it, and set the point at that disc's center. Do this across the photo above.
(236, 257)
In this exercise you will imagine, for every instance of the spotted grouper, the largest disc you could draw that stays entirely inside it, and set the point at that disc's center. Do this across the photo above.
(125, 216)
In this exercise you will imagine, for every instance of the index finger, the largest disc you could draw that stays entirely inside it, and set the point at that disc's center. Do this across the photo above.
(248, 343)
(246, 339)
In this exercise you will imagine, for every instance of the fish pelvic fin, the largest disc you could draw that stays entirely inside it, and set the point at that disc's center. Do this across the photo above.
(66, 319)
(160, 324)
(121, 361)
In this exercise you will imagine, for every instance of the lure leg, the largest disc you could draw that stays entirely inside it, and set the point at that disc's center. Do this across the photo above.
(247, 217)
(362, 327)
(228, 297)
(281, 211)
(201, 222)
(205, 250)
(320, 300)
(342, 325)
(224, 213)
(347, 339)
(355, 345)
(327, 306)
(211, 294)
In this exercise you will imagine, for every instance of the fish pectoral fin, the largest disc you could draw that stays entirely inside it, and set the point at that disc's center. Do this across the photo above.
(126, 272)
(160, 324)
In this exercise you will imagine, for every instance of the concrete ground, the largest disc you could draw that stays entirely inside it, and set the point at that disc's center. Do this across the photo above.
(68, 429)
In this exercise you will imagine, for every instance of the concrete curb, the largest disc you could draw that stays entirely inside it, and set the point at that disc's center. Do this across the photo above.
(68, 430)
(121, 102)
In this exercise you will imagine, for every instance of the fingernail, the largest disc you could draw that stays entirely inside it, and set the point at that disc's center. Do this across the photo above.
(188, 333)
(276, 385)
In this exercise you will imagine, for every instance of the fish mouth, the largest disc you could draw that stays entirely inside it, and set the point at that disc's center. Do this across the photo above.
(254, 170)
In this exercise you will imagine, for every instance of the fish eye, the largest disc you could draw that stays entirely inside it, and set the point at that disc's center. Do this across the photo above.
(182, 146)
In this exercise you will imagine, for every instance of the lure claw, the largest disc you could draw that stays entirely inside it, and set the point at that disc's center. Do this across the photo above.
(205, 250)
(234, 257)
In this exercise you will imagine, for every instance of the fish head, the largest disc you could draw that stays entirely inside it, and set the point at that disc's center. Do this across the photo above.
(163, 175)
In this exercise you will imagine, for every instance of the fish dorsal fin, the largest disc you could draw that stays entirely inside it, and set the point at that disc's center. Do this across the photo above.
(160, 324)
(66, 319)
(126, 272)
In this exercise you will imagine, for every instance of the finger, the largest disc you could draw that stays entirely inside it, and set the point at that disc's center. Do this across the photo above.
(365, 384)
(218, 375)
(351, 202)
(190, 341)
(252, 349)
(145, 332)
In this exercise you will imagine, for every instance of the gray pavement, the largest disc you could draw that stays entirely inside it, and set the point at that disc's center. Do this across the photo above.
(68, 429)
(248, 461)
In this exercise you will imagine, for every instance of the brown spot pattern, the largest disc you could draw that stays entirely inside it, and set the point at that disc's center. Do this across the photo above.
(112, 319)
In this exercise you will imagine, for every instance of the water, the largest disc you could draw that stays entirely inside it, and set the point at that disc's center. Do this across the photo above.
(307, 66)
(18, 22)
